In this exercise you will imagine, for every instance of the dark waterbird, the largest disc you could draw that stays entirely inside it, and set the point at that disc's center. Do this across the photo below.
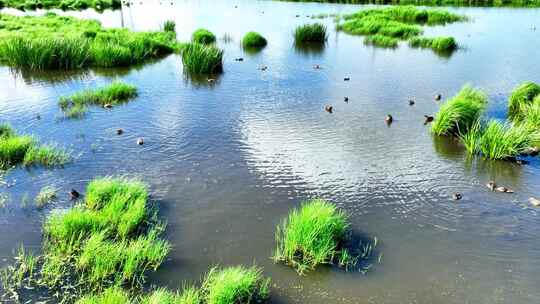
(389, 119)
(239, 59)
(428, 119)
(346, 79)
(74, 194)
(457, 196)
(317, 67)
(438, 97)
(140, 141)
(329, 108)
(411, 102)
(263, 68)
(346, 99)
(119, 131)
(107, 106)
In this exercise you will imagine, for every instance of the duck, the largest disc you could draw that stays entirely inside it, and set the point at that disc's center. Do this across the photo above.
(239, 59)
(491, 185)
(211, 80)
(504, 190)
(438, 97)
(534, 201)
(263, 68)
(411, 102)
(389, 119)
(329, 108)
(457, 196)
(346, 99)
(428, 119)
(521, 162)
(317, 67)
(346, 78)
(140, 141)
(74, 194)
(107, 106)
(119, 131)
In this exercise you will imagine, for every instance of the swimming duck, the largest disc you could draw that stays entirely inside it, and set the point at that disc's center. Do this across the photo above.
(389, 119)
(346, 99)
(428, 119)
(211, 80)
(504, 190)
(329, 108)
(107, 106)
(411, 102)
(346, 79)
(438, 97)
(535, 202)
(263, 68)
(140, 141)
(239, 59)
(73, 194)
(491, 185)
(119, 131)
(457, 196)
(317, 67)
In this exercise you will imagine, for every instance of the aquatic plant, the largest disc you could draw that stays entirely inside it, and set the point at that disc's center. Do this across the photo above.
(471, 3)
(169, 26)
(203, 36)
(111, 295)
(315, 32)
(381, 41)
(56, 42)
(253, 40)
(503, 141)
(235, 285)
(202, 59)
(46, 195)
(532, 114)
(311, 235)
(24, 149)
(98, 5)
(471, 139)
(459, 113)
(522, 96)
(111, 95)
(399, 23)
(438, 44)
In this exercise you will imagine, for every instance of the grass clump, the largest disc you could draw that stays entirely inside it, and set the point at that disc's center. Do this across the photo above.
(439, 44)
(311, 235)
(202, 59)
(235, 285)
(46, 195)
(310, 33)
(169, 26)
(253, 40)
(203, 36)
(24, 149)
(116, 93)
(98, 5)
(65, 43)
(112, 295)
(381, 41)
(521, 97)
(459, 114)
(399, 23)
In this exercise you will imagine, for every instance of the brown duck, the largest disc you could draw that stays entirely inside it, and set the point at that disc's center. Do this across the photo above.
(428, 119)
(329, 108)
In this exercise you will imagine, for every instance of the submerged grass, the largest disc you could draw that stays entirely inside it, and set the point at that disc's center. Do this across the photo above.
(56, 42)
(24, 149)
(203, 36)
(399, 23)
(202, 59)
(310, 33)
(253, 40)
(98, 5)
(311, 235)
(460, 113)
(75, 106)
(46, 195)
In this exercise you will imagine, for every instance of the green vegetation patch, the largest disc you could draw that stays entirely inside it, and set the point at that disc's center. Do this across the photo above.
(75, 106)
(472, 3)
(312, 235)
(98, 5)
(109, 239)
(460, 113)
(203, 36)
(253, 40)
(310, 33)
(400, 23)
(169, 26)
(56, 42)
(438, 45)
(382, 41)
(522, 98)
(24, 149)
(202, 59)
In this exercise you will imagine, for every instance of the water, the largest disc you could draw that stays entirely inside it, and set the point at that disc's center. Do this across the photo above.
(228, 160)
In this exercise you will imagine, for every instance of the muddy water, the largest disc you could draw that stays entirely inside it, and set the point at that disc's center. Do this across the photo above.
(226, 161)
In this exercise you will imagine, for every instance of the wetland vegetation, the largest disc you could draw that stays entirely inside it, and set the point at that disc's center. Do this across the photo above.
(203, 36)
(310, 33)
(253, 40)
(98, 5)
(202, 59)
(488, 3)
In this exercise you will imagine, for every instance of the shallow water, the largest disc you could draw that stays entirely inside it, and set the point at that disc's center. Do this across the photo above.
(226, 161)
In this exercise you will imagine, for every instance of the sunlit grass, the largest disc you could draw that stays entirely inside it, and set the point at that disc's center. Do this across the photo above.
(521, 97)
(98, 5)
(438, 44)
(381, 41)
(202, 59)
(112, 295)
(46, 195)
(203, 36)
(169, 26)
(309, 33)
(235, 285)
(503, 141)
(253, 40)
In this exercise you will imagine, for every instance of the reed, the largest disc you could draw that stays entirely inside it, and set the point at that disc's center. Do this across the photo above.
(310, 33)
(235, 285)
(381, 41)
(502, 141)
(438, 44)
(98, 5)
(203, 36)
(253, 40)
(169, 26)
(202, 59)
(521, 97)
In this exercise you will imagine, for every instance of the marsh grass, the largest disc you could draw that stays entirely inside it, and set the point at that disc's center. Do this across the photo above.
(310, 33)
(25, 150)
(112, 295)
(203, 36)
(522, 97)
(110, 239)
(253, 40)
(98, 5)
(502, 141)
(399, 23)
(169, 26)
(235, 285)
(202, 59)
(466, 3)
(311, 235)
(75, 106)
(66, 43)
(459, 113)
(46, 195)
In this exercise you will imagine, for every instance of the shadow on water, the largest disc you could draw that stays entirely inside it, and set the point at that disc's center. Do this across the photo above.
(448, 147)
(202, 80)
(310, 48)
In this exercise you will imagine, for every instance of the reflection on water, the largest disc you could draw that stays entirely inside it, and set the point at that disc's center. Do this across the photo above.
(227, 159)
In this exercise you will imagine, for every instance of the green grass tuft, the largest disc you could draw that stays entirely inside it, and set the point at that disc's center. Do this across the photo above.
(202, 59)
(521, 97)
(315, 32)
(311, 235)
(112, 295)
(235, 285)
(502, 141)
(203, 36)
(169, 26)
(253, 40)
(75, 106)
(381, 41)
(98, 5)
(459, 113)
(439, 44)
